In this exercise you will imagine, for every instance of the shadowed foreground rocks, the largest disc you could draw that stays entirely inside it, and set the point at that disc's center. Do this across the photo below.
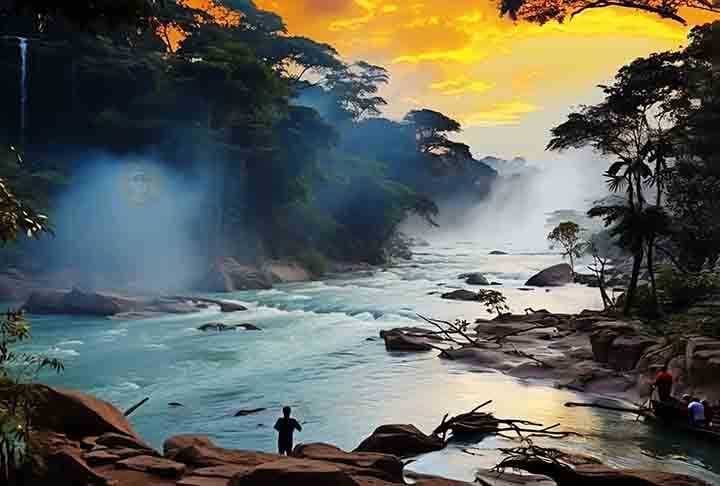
(81, 440)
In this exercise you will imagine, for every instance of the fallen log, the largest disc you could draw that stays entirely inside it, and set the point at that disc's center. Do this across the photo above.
(637, 411)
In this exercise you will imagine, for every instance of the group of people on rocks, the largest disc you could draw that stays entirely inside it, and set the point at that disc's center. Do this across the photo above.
(700, 412)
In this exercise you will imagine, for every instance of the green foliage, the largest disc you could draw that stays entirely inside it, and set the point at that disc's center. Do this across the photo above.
(679, 289)
(494, 301)
(16, 397)
(314, 261)
(568, 235)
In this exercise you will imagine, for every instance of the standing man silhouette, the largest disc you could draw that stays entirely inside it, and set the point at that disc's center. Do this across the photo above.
(286, 427)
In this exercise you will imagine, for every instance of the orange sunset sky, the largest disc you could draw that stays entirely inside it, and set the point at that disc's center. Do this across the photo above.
(508, 83)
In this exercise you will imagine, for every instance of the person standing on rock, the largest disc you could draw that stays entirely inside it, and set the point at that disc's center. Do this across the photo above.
(664, 383)
(286, 427)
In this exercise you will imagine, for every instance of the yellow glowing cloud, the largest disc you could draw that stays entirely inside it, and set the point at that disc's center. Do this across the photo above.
(508, 113)
(462, 85)
(451, 55)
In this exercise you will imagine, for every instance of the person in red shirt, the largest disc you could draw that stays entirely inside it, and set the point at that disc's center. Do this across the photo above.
(663, 383)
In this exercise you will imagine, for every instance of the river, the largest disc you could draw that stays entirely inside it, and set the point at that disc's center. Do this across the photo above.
(314, 353)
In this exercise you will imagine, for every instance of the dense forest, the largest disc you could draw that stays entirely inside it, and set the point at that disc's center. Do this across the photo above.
(285, 137)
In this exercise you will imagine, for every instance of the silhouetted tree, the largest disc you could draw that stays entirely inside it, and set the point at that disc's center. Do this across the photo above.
(542, 11)
(567, 235)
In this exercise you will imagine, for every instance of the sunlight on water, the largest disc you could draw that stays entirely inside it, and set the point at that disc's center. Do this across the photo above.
(314, 354)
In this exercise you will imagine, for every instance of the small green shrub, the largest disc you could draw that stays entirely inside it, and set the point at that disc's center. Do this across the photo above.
(314, 261)
(681, 290)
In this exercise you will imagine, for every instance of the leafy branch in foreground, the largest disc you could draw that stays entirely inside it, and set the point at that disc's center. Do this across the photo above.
(17, 399)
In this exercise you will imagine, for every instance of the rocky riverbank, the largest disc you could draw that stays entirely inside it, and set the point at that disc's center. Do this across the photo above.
(591, 352)
(80, 440)
(225, 275)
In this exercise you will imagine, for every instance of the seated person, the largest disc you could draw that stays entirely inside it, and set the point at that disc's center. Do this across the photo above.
(697, 413)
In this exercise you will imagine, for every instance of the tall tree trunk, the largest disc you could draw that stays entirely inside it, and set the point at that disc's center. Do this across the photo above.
(632, 288)
(651, 273)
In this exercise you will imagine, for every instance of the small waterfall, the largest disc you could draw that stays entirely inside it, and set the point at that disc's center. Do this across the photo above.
(23, 43)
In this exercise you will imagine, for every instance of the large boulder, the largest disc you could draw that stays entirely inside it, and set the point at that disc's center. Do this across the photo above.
(702, 361)
(78, 302)
(227, 275)
(400, 440)
(554, 276)
(289, 272)
(475, 278)
(626, 351)
(78, 415)
(385, 466)
(605, 334)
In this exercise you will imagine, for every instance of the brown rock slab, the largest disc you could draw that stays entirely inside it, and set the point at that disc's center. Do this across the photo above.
(119, 441)
(99, 458)
(202, 481)
(385, 466)
(295, 472)
(154, 465)
(199, 452)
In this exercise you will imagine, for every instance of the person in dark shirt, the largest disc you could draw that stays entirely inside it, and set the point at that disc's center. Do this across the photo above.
(286, 427)
(664, 383)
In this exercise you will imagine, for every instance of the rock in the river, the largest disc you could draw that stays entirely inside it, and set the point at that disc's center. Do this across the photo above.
(216, 326)
(230, 306)
(396, 340)
(227, 275)
(401, 441)
(248, 327)
(475, 278)
(498, 252)
(604, 335)
(220, 327)
(461, 294)
(554, 276)
(78, 302)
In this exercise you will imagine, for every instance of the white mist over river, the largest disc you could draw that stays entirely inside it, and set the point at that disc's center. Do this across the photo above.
(314, 354)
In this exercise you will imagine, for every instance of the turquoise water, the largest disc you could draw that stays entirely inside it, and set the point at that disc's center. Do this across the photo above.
(314, 353)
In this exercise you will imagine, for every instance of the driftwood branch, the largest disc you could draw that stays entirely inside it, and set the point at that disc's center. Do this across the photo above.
(136, 406)
(517, 332)
(455, 329)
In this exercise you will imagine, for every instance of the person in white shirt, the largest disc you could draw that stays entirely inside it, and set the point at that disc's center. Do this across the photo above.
(697, 413)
